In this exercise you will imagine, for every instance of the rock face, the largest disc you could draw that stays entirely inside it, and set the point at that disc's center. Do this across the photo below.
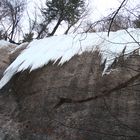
(8, 129)
(74, 101)
(5, 51)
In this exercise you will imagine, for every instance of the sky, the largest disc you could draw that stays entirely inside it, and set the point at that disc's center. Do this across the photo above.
(102, 8)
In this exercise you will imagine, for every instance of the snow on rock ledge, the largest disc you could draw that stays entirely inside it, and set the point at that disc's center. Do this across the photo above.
(7, 45)
(39, 52)
(4, 43)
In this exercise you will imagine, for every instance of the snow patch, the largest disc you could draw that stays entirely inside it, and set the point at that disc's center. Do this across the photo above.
(39, 52)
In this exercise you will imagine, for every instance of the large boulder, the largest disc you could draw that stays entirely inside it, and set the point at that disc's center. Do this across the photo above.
(76, 102)
(8, 129)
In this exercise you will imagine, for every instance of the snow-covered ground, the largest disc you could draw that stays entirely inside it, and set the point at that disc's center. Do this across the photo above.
(39, 52)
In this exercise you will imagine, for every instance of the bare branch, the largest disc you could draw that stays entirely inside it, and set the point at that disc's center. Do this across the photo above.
(112, 19)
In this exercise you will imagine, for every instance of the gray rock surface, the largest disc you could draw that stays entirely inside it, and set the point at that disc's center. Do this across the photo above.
(73, 101)
(8, 128)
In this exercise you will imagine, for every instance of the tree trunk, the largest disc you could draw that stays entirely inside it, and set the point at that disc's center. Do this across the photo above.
(55, 28)
(66, 32)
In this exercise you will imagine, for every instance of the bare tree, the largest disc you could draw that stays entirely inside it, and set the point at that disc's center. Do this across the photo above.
(11, 14)
(137, 22)
(119, 22)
